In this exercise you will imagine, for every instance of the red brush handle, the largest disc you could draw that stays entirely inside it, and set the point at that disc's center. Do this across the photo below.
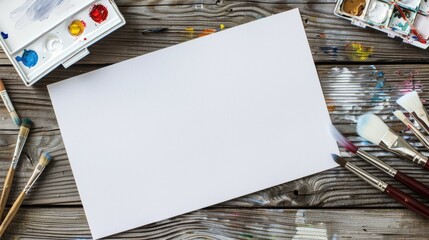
(413, 29)
(408, 201)
(413, 184)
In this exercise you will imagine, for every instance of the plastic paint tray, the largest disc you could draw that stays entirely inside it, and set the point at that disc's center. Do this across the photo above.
(384, 16)
(40, 35)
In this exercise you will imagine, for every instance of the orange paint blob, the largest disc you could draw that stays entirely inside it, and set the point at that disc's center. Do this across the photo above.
(76, 28)
(206, 32)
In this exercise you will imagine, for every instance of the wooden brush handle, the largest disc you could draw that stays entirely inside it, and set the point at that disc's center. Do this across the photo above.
(412, 184)
(406, 200)
(6, 189)
(12, 212)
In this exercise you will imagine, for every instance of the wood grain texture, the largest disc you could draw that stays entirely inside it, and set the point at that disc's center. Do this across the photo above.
(331, 38)
(350, 91)
(224, 223)
(342, 206)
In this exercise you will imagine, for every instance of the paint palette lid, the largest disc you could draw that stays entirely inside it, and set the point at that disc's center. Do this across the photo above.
(22, 21)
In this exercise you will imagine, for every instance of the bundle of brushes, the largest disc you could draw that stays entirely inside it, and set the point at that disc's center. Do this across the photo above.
(374, 130)
(44, 160)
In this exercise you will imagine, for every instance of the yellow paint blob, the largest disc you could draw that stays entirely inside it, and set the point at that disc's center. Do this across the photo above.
(221, 26)
(76, 28)
(359, 52)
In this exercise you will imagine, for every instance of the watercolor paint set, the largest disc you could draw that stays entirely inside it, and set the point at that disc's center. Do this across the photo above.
(40, 35)
(406, 19)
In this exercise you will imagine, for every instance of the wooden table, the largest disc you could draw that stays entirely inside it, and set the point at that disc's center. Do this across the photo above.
(361, 70)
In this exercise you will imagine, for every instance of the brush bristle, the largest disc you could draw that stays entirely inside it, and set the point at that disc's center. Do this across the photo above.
(343, 141)
(2, 85)
(45, 159)
(372, 128)
(401, 116)
(15, 118)
(410, 102)
(26, 122)
(341, 161)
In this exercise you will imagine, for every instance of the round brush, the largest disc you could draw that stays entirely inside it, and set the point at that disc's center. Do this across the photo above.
(403, 198)
(22, 137)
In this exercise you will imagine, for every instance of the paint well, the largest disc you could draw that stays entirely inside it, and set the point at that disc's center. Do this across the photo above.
(422, 25)
(29, 58)
(354, 7)
(77, 27)
(54, 44)
(398, 24)
(377, 12)
(99, 13)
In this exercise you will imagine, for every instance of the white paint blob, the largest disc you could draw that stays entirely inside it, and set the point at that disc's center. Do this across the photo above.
(54, 44)
(377, 12)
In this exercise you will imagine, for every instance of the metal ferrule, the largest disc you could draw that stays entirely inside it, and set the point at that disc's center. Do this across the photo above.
(421, 116)
(393, 143)
(375, 182)
(377, 163)
(22, 137)
(422, 138)
(36, 174)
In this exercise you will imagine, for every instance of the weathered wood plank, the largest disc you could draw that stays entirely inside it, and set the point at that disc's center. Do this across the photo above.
(223, 223)
(331, 38)
(349, 90)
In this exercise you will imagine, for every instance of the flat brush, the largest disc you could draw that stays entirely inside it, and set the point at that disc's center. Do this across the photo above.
(401, 197)
(373, 129)
(403, 178)
(9, 105)
(22, 137)
(410, 125)
(43, 161)
(412, 103)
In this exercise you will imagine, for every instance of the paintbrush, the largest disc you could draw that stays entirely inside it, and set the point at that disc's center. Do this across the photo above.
(9, 104)
(408, 181)
(412, 103)
(413, 29)
(410, 125)
(22, 137)
(43, 161)
(403, 198)
(373, 129)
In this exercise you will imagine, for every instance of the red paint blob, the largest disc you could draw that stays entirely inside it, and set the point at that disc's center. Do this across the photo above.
(99, 13)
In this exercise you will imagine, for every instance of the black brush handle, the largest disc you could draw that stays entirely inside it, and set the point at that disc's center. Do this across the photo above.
(412, 184)
(408, 201)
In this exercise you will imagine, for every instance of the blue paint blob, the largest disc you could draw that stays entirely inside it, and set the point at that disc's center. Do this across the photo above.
(4, 35)
(29, 58)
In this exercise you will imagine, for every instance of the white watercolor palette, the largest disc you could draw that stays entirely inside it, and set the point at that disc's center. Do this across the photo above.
(40, 35)
(384, 16)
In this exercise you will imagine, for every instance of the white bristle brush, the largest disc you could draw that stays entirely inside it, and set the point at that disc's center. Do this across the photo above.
(373, 129)
(412, 103)
(410, 125)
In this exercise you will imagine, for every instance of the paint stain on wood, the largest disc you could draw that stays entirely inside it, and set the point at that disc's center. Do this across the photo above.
(359, 52)
(206, 32)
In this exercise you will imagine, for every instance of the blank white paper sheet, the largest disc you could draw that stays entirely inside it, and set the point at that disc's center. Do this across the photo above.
(195, 124)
